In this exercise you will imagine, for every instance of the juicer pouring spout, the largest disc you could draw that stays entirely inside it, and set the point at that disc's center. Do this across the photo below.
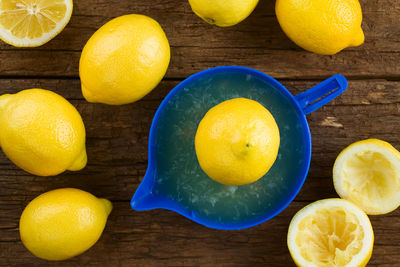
(144, 199)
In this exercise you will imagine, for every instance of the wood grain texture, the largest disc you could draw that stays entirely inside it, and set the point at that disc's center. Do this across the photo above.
(117, 148)
(257, 42)
(163, 238)
(117, 136)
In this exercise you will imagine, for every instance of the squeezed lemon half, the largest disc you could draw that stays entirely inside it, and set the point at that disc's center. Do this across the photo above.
(31, 23)
(368, 174)
(330, 232)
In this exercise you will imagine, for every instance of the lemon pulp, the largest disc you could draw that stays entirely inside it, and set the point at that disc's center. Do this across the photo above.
(33, 22)
(330, 232)
(368, 174)
(330, 236)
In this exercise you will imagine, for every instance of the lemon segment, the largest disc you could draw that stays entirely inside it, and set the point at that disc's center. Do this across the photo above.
(237, 142)
(330, 233)
(368, 174)
(321, 26)
(31, 23)
(41, 132)
(124, 60)
(63, 223)
(223, 13)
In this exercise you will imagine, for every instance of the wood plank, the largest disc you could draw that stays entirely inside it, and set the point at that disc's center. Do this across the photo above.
(257, 42)
(185, 29)
(282, 64)
(163, 238)
(118, 136)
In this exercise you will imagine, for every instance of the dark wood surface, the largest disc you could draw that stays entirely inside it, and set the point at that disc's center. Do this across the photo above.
(117, 135)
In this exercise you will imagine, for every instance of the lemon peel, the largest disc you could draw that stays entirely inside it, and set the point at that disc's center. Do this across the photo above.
(63, 223)
(124, 60)
(223, 13)
(321, 26)
(237, 142)
(41, 132)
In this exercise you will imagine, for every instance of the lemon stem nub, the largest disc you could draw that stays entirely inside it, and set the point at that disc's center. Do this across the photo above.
(3, 100)
(210, 20)
(80, 162)
(359, 38)
(107, 205)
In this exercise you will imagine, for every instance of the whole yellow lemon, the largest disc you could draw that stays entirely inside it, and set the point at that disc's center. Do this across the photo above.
(321, 26)
(223, 13)
(237, 142)
(124, 60)
(41, 132)
(63, 223)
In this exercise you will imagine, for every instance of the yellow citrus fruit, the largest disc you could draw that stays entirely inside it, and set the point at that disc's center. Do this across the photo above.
(124, 60)
(223, 13)
(237, 142)
(330, 233)
(41, 132)
(31, 23)
(368, 174)
(63, 223)
(321, 26)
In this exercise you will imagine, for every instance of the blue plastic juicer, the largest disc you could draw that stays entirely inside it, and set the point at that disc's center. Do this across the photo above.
(174, 179)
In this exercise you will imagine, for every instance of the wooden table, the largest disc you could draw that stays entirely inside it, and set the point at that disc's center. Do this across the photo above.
(117, 136)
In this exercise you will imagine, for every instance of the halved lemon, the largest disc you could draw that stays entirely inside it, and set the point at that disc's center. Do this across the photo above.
(330, 232)
(368, 174)
(31, 23)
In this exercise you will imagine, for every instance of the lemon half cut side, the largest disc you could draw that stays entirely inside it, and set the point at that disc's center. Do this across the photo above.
(329, 233)
(368, 174)
(31, 23)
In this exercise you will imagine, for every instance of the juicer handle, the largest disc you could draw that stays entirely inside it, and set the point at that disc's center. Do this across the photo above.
(322, 93)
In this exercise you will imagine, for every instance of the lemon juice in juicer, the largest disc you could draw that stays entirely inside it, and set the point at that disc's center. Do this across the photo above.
(175, 180)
